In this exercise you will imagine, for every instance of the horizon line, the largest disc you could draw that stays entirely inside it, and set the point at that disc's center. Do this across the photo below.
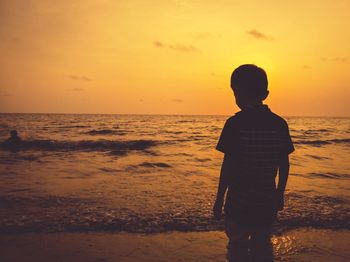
(154, 114)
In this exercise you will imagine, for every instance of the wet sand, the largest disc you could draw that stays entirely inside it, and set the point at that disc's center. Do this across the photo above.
(297, 245)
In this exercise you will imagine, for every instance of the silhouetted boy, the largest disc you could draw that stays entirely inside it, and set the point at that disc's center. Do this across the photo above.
(256, 144)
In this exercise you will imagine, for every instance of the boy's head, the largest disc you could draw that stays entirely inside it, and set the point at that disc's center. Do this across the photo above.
(249, 84)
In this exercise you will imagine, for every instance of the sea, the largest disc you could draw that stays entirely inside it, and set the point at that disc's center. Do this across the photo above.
(154, 173)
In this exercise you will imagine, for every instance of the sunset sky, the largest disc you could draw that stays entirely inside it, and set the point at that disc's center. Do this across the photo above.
(172, 56)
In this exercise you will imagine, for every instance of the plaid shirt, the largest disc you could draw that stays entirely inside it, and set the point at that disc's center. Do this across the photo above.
(255, 140)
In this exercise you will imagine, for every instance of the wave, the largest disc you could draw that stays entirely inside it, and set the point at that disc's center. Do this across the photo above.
(155, 165)
(83, 145)
(328, 175)
(55, 214)
(105, 132)
(109, 170)
(313, 131)
(73, 126)
(202, 159)
(323, 142)
(331, 175)
(318, 157)
(173, 132)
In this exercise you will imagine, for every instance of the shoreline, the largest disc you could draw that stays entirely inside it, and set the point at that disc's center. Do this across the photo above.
(304, 244)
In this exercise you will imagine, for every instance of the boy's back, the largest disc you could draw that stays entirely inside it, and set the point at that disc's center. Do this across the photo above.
(254, 140)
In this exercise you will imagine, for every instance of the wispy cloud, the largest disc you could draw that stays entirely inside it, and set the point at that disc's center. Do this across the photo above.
(158, 44)
(259, 35)
(338, 59)
(341, 59)
(81, 78)
(177, 47)
(306, 67)
(177, 100)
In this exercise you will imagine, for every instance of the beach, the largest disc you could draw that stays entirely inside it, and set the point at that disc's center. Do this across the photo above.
(297, 245)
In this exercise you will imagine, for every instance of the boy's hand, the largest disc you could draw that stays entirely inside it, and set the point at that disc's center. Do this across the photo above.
(217, 209)
(279, 201)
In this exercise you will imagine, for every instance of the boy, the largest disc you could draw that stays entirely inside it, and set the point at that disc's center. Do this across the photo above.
(256, 144)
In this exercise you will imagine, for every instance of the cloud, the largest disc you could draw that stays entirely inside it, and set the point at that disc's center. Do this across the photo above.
(342, 59)
(177, 100)
(82, 78)
(306, 67)
(158, 44)
(78, 89)
(259, 35)
(177, 47)
(338, 59)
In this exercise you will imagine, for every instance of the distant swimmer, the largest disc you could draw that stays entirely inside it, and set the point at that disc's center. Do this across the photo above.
(13, 142)
(14, 138)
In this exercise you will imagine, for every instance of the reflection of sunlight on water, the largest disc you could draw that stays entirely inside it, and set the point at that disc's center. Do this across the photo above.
(284, 245)
(312, 245)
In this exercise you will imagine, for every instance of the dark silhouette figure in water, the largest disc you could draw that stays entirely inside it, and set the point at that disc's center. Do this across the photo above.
(256, 144)
(14, 138)
(13, 142)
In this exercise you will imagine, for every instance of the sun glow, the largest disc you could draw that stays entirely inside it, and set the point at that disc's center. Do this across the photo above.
(172, 57)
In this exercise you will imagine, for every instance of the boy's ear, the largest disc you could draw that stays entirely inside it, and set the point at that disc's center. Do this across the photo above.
(265, 95)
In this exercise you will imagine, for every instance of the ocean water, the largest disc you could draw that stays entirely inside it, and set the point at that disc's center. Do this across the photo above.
(142, 173)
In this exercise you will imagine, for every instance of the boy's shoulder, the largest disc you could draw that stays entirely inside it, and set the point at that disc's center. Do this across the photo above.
(278, 118)
(257, 116)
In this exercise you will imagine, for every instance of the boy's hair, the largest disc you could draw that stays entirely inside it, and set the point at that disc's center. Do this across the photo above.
(250, 80)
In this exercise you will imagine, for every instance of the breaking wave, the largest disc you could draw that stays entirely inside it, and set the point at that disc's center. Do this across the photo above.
(56, 214)
(83, 145)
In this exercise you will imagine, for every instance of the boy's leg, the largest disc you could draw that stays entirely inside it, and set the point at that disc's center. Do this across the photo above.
(260, 242)
(238, 245)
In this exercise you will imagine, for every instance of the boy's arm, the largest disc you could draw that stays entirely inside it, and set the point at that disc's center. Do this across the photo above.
(222, 187)
(282, 181)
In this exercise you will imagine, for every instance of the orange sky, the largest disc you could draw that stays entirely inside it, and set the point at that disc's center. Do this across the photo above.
(172, 56)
